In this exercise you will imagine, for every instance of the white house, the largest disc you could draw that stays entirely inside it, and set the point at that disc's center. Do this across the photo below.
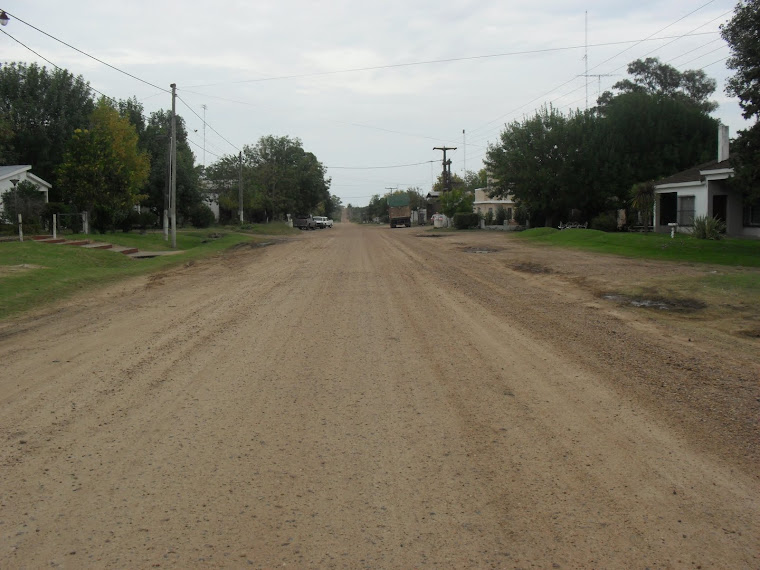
(20, 172)
(702, 191)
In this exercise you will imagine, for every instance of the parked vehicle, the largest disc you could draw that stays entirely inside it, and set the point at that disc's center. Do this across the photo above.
(323, 222)
(304, 222)
(398, 210)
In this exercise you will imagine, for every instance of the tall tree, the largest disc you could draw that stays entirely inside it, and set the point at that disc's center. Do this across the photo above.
(132, 110)
(279, 178)
(456, 201)
(649, 136)
(652, 76)
(741, 34)
(103, 170)
(7, 152)
(456, 183)
(155, 140)
(42, 109)
(532, 164)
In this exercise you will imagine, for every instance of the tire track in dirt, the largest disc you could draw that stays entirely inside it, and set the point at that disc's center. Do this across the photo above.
(354, 397)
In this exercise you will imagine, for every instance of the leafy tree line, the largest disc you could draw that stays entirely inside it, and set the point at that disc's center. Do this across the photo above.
(102, 156)
(105, 157)
(582, 164)
(279, 177)
(741, 34)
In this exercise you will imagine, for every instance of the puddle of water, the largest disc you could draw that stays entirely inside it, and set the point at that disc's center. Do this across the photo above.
(660, 304)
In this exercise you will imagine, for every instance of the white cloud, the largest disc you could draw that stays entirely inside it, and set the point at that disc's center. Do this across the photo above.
(405, 110)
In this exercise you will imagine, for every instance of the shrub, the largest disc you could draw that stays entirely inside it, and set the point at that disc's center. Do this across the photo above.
(489, 218)
(127, 219)
(464, 221)
(521, 215)
(501, 215)
(24, 199)
(201, 216)
(707, 227)
(147, 219)
(605, 222)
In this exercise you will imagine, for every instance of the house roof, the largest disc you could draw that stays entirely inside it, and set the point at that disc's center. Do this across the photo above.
(12, 170)
(694, 174)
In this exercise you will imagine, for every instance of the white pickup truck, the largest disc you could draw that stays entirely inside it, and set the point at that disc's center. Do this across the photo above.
(323, 222)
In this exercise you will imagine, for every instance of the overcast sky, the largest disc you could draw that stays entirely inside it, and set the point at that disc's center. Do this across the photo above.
(285, 68)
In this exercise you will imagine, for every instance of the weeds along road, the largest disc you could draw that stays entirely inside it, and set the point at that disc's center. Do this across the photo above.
(361, 397)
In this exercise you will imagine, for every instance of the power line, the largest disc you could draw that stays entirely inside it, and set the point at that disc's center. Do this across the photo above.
(209, 126)
(703, 55)
(435, 61)
(657, 32)
(53, 64)
(87, 54)
(482, 137)
(648, 38)
(192, 142)
(379, 167)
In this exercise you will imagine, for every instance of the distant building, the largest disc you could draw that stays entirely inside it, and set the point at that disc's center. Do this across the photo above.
(484, 204)
(210, 196)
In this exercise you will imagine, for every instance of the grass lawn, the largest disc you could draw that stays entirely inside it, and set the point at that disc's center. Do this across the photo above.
(35, 273)
(729, 251)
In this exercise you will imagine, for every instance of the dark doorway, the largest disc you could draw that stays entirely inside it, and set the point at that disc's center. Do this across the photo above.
(720, 207)
(668, 208)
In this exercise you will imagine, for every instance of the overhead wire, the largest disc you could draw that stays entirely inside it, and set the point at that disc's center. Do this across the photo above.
(53, 64)
(379, 167)
(429, 62)
(86, 54)
(207, 124)
(389, 66)
(648, 38)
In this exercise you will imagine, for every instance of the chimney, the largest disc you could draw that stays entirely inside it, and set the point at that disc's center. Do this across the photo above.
(722, 143)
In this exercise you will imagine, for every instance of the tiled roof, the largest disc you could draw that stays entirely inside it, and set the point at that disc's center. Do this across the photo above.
(693, 174)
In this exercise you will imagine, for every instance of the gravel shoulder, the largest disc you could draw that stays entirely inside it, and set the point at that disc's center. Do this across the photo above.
(361, 397)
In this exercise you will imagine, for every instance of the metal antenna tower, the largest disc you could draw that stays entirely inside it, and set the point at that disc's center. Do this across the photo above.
(204, 135)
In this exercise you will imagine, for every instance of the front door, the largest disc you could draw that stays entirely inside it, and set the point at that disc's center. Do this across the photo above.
(668, 208)
(720, 207)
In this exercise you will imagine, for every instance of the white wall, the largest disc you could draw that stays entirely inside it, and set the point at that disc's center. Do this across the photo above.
(7, 186)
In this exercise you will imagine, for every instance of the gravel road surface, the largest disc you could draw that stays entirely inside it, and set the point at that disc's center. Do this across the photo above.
(361, 397)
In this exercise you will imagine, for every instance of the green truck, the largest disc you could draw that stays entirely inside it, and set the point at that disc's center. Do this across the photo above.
(398, 210)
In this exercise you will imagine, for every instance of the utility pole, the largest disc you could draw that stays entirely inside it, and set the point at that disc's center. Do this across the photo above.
(167, 190)
(464, 159)
(173, 198)
(240, 187)
(446, 171)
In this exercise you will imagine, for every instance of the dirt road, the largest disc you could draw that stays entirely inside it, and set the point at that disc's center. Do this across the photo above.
(361, 397)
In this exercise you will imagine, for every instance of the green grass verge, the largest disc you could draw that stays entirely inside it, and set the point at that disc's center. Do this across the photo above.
(735, 252)
(32, 273)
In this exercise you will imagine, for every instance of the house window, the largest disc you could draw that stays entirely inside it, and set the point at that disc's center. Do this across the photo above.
(490, 211)
(509, 213)
(686, 210)
(752, 215)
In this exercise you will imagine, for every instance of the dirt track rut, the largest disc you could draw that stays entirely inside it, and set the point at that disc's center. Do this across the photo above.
(360, 397)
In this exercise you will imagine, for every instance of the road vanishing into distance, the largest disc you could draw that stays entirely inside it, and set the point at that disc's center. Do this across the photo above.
(361, 397)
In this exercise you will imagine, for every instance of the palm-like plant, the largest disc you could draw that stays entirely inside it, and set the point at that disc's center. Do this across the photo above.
(642, 198)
